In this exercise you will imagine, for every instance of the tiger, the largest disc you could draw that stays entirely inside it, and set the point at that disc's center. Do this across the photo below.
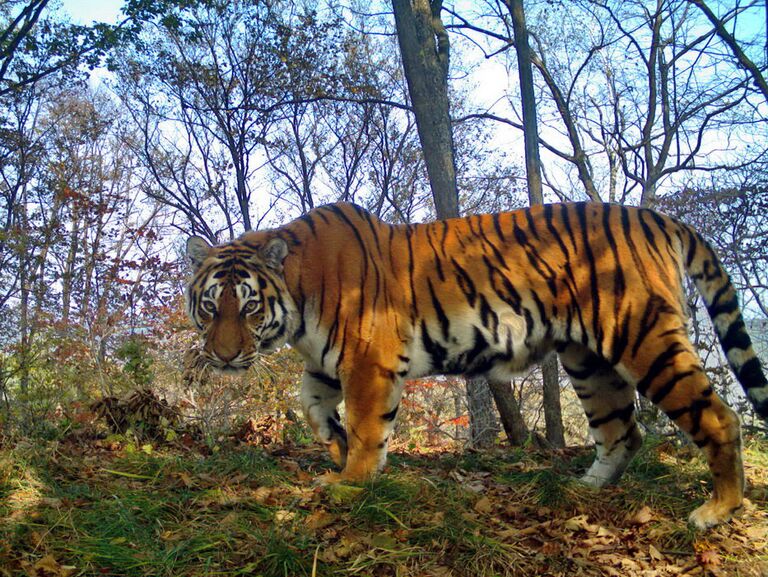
(370, 304)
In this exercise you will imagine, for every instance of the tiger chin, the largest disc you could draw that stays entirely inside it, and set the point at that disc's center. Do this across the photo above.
(369, 305)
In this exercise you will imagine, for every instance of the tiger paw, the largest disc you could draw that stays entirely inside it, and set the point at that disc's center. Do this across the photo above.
(329, 478)
(712, 513)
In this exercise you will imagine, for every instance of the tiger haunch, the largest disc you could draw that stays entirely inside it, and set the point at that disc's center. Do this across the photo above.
(369, 305)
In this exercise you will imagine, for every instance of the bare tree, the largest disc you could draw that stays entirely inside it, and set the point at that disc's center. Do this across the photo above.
(744, 61)
(425, 50)
(550, 380)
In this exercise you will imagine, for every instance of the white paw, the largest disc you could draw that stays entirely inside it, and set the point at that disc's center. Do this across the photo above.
(594, 481)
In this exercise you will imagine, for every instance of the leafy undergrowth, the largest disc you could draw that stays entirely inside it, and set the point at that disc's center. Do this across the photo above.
(105, 508)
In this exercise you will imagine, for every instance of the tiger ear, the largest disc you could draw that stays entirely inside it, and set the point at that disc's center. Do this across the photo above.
(274, 252)
(198, 250)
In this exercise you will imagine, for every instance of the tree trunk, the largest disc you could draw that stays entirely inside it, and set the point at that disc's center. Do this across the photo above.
(426, 52)
(483, 424)
(552, 412)
(509, 409)
(25, 353)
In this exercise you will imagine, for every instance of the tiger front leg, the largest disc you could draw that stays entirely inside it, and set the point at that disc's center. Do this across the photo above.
(372, 403)
(320, 397)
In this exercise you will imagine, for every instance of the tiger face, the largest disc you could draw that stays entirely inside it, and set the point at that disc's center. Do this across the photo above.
(238, 301)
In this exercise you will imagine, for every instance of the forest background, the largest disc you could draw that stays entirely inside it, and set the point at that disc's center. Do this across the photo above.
(119, 139)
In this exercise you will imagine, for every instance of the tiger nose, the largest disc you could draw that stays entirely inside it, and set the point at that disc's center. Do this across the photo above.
(229, 348)
(228, 354)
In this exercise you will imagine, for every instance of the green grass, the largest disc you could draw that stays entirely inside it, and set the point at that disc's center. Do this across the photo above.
(241, 511)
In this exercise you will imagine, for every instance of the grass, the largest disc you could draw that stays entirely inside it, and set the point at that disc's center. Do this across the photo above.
(109, 509)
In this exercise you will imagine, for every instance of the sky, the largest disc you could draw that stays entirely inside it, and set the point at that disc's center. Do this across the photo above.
(88, 11)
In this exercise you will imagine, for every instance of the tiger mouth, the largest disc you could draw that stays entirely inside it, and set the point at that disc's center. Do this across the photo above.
(231, 369)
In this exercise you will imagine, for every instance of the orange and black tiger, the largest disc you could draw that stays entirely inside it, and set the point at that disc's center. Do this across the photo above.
(369, 304)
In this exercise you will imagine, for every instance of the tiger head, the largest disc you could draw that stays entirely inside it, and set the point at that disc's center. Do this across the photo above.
(238, 300)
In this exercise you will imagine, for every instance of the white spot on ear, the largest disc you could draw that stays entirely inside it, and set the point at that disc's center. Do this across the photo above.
(198, 250)
(274, 252)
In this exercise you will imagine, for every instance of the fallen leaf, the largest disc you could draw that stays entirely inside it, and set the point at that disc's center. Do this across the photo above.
(343, 493)
(641, 516)
(579, 522)
(708, 558)
(483, 505)
(655, 553)
(319, 519)
(49, 567)
(384, 541)
(262, 494)
(283, 516)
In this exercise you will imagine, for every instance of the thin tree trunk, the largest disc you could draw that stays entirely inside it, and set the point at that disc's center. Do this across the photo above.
(426, 53)
(509, 410)
(483, 425)
(552, 411)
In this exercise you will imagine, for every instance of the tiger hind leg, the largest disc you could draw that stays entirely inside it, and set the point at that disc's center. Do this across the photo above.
(608, 402)
(320, 397)
(668, 371)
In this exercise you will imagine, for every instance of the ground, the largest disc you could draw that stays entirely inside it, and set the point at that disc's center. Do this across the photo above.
(109, 507)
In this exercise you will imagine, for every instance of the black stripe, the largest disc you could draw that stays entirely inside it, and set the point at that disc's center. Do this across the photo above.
(660, 223)
(624, 414)
(621, 338)
(509, 294)
(438, 260)
(291, 235)
(695, 408)
(719, 294)
(310, 222)
(654, 308)
(488, 316)
(390, 416)
(411, 268)
(581, 213)
(497, 225)
(730, 306)
(466, 284)
(445, 324)
(478, 348)
(437, 353)
(566, 218)
(736, 337)
(664, 390)
(536, 261)
(590, 364)
(325, 379)
(661, 362)
(496, 252)
(751, 375)
(649, 236)
(321, 214)
(531, 223)
(363, 250)
(619, 284)
(692, 243)
(337, 428)
(553, 231)
(369, 219)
